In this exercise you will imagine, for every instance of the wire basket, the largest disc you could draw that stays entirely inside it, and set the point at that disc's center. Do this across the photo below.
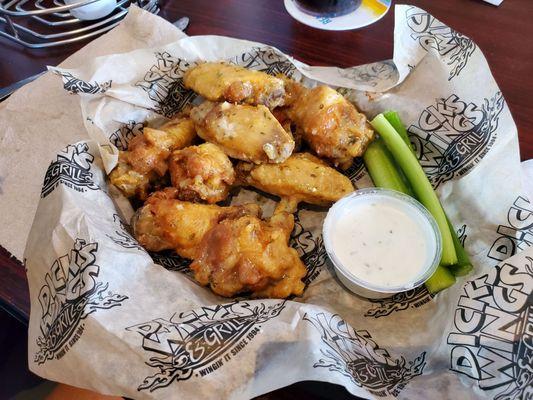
(48, 23)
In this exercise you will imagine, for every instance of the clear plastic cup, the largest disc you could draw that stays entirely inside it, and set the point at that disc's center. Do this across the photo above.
(411, 208)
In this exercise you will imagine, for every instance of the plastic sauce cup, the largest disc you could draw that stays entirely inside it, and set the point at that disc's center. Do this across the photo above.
(381, 242)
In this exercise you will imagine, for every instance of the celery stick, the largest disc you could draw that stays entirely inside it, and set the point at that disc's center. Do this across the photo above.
(463, 265)
(419, 183)
(440, 280)
(381, 167)
(394, 119)
(460, 270)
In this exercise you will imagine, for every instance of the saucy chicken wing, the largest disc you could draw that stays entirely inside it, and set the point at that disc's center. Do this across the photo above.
(302, 177)
(218, 81)
(244, 132)
(165, 223)
(202, 172)
(329, 123)
(248, 254)
(147, 154)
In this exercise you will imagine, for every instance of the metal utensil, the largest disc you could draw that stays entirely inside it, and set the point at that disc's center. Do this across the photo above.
(39, 24)
(181, 24)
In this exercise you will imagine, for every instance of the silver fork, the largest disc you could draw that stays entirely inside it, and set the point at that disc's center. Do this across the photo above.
(181, 24)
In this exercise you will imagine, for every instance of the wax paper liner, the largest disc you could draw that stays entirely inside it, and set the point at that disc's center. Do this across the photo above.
(108, 316)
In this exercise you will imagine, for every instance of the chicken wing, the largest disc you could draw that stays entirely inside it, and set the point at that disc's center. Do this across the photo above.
(167, 223)
(244, 132)
(302, 177)
(181, 132)
(329, 123)
(202, 172)
(250, 255)
(130, 182)
(146, 158)
(218, 81)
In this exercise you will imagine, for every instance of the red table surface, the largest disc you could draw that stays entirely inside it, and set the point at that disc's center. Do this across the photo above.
(503, 34)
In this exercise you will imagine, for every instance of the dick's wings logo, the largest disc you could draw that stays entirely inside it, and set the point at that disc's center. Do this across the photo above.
(122, 235)
(492, 337)
(75, 85)
(413, 298)
(265, 59)
(200, 342)
(515, 235)
(171, 261)
(310, 248)
(122, 136)
(455, 48)
(72, 168)
(452, 136)
(71, 292)
(355, 355)
(164, 84)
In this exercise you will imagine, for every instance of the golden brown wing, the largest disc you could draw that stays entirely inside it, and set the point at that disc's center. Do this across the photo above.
(146, 158)
(330, 124)
(302, 177)
(130, 182)
(202, 172)
(165, 223)
(244, 132)
(181, 132)
(218, 81)
(250, 255)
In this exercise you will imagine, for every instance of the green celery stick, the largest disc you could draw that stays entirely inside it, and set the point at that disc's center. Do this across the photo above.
(419, 182)
(440, 280)
(463, 265)
(394, 119)
(382, 169)
(460, 270)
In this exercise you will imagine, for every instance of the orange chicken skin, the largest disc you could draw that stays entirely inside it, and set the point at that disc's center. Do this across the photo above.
(248, 254)
(130, 182)
(146, 158)
(248, 133)
(328, 123)
(302, 177)
(201, 172)
(219, 81)
(165, 223)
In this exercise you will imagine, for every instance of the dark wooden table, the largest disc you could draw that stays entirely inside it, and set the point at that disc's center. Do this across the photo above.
(503, 33)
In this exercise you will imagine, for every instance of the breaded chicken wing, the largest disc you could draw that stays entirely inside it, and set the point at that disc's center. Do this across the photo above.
(130, 182)
(329, 123)
(167, 223)
(218, 81)
(244, 132)
(202, 172)
(181, 132)
(146, 158)
(302, 177)
(248, 254)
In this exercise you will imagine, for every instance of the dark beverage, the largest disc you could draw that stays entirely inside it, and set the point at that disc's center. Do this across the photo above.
(327, 8)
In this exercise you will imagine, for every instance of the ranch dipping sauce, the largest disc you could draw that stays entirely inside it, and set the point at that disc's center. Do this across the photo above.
(381, 242)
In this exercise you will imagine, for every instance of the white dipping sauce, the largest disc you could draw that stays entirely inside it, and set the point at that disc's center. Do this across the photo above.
(384, 241)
